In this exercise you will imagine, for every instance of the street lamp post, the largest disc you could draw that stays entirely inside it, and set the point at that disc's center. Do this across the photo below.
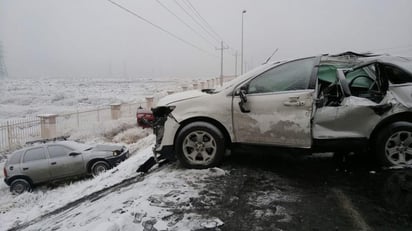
(241, 55)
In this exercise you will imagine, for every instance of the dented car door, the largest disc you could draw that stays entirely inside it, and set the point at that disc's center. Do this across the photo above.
(275, 107)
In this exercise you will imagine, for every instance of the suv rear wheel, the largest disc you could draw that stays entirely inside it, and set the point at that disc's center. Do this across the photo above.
(394, 144)
(200, 145)
(20, 186)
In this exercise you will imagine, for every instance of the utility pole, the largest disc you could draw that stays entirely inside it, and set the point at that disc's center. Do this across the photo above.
(221, 61)
(241, 45)
(3, 69)
(236, 55)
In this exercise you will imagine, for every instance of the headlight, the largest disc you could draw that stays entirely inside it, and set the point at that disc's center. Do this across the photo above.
(116, 153)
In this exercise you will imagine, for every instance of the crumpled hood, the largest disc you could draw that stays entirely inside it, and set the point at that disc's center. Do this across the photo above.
(167, 100)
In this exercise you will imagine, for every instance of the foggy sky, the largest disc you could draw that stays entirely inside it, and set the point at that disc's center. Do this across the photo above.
(94, 38)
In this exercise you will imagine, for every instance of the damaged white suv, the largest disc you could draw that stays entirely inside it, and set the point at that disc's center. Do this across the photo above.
(344, 102)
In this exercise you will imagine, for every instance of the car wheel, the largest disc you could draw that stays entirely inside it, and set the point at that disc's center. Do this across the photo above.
(20, 186)
(394, 144)
(99, 167)
(200, 145)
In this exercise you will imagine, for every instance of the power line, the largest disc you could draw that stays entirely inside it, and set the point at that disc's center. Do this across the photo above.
(188, 3)
(182, 21)
(158, 27)
(194, 19)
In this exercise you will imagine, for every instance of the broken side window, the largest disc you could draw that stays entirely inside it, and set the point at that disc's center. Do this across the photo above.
(396, 75)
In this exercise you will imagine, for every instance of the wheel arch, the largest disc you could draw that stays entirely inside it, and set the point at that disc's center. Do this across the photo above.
(399, 117)
(217, 124)
(91, 162)
(13, 178)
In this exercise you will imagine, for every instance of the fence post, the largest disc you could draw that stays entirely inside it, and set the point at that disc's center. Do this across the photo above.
(48, 125)
(78, 118)
(195, 85)
(208, 83)
(115, 111)
(202, 85)
(8, 134)
(149, 102)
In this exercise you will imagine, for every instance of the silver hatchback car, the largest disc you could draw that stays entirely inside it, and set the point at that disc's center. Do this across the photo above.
(52, 161)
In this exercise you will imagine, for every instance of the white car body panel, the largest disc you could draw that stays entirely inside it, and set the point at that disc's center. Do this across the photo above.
(281, 118)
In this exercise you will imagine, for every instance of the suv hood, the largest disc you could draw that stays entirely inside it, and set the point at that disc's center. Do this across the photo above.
(167, 100)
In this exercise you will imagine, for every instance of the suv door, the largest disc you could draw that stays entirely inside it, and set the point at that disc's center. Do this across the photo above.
(280, 106)
(62, 164)
(35, 165)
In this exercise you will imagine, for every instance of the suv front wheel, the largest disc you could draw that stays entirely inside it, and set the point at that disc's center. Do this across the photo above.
(200, 145)
(394, 144)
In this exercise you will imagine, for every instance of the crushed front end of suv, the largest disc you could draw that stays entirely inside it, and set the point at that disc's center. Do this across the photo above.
(51, 161)
(344, 102)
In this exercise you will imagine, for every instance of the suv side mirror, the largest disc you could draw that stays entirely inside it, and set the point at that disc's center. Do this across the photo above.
(244, 106)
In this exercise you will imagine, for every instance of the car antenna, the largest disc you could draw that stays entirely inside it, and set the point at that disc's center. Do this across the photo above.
(268, 59)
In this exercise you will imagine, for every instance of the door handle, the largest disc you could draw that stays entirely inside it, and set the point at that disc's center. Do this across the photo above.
(25, 168)
(296, 103)
(53, 163)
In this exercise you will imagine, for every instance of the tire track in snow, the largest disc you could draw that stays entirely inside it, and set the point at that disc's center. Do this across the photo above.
(91, 197)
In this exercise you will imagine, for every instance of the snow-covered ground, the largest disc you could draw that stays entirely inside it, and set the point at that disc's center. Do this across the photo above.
(138, 206)
(21, 98)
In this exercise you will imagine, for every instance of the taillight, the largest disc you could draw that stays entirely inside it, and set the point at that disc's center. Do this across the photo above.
(144, 118)
(5, 172)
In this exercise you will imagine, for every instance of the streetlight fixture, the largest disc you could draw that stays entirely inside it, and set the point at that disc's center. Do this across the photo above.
(241, 55)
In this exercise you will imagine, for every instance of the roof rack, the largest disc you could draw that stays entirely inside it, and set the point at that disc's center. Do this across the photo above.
(48, 140)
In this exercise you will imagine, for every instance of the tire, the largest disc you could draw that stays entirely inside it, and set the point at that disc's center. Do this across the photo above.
(20, 186)
(99, 167)
(200, 145)
(394, 144)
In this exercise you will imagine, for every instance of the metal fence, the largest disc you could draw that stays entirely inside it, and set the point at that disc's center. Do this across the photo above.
(89, 119)
(13, 133)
